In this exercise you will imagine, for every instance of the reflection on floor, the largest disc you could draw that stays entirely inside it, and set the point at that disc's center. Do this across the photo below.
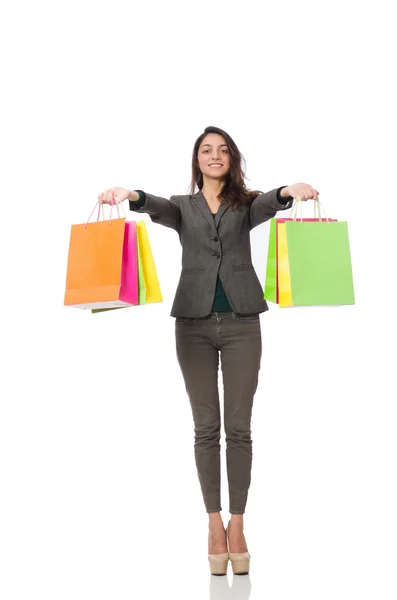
(221, 590)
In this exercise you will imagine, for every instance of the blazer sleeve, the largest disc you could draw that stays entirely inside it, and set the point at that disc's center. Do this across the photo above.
(160, 210)
(265, 206)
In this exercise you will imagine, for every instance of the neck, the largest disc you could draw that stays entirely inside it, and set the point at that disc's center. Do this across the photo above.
(211, 188)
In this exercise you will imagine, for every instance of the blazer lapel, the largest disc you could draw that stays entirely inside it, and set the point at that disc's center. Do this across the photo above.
(199, 199)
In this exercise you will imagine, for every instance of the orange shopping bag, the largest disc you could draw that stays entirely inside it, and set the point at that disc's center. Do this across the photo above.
(94, 268)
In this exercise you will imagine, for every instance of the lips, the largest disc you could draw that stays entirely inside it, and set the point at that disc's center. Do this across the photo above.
(216, 165)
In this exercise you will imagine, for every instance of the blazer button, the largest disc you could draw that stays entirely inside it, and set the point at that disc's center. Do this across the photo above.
(215, 239)
(216, 254)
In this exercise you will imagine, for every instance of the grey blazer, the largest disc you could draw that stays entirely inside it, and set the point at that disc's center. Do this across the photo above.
(214, 246)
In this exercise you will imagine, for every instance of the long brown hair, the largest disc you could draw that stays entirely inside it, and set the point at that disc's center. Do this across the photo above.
(234, 191)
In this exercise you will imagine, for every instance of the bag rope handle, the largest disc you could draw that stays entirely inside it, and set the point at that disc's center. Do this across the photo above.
(317, 205)
(100, 205)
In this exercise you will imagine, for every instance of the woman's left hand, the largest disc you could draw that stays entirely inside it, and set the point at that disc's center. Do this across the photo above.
(304, 191)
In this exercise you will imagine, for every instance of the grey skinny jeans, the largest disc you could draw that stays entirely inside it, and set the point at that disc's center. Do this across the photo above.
(199, 341)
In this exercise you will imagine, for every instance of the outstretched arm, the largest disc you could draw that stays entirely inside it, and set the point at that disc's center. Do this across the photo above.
(160, 210)
(265, 206)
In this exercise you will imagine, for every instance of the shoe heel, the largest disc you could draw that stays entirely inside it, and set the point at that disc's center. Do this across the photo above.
(218, 563)
(240, 562)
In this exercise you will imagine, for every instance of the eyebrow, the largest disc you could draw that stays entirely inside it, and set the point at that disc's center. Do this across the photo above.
(211, 146)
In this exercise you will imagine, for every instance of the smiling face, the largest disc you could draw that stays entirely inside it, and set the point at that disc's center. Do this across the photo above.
(213, 156)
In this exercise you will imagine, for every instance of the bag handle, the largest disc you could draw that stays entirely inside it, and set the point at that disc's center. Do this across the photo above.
(317, 205)
(100, 205)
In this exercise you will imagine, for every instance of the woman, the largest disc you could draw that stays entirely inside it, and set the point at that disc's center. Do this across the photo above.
(216, 309)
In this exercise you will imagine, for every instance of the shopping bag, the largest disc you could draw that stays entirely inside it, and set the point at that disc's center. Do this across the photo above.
(277, 270)
(129, 270)
(319, 261)
(147, 280)
(270, 291)
(149, 273)
(277, 287)
(141, 279)
(94, 267)
(284, 296)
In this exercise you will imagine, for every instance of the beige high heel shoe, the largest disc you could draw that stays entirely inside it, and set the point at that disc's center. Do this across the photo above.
(218, 562)
(240, 562)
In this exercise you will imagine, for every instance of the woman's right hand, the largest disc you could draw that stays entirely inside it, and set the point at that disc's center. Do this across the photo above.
(117, 194)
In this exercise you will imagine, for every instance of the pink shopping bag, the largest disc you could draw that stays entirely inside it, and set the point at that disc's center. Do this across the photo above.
(129, 267)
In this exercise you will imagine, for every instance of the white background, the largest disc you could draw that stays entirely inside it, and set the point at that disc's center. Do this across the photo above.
(99, 492)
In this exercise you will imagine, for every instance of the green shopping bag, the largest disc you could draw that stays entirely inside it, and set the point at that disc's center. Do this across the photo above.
(320, 263)
(270, 292)
(273, 274)
(141, 280)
